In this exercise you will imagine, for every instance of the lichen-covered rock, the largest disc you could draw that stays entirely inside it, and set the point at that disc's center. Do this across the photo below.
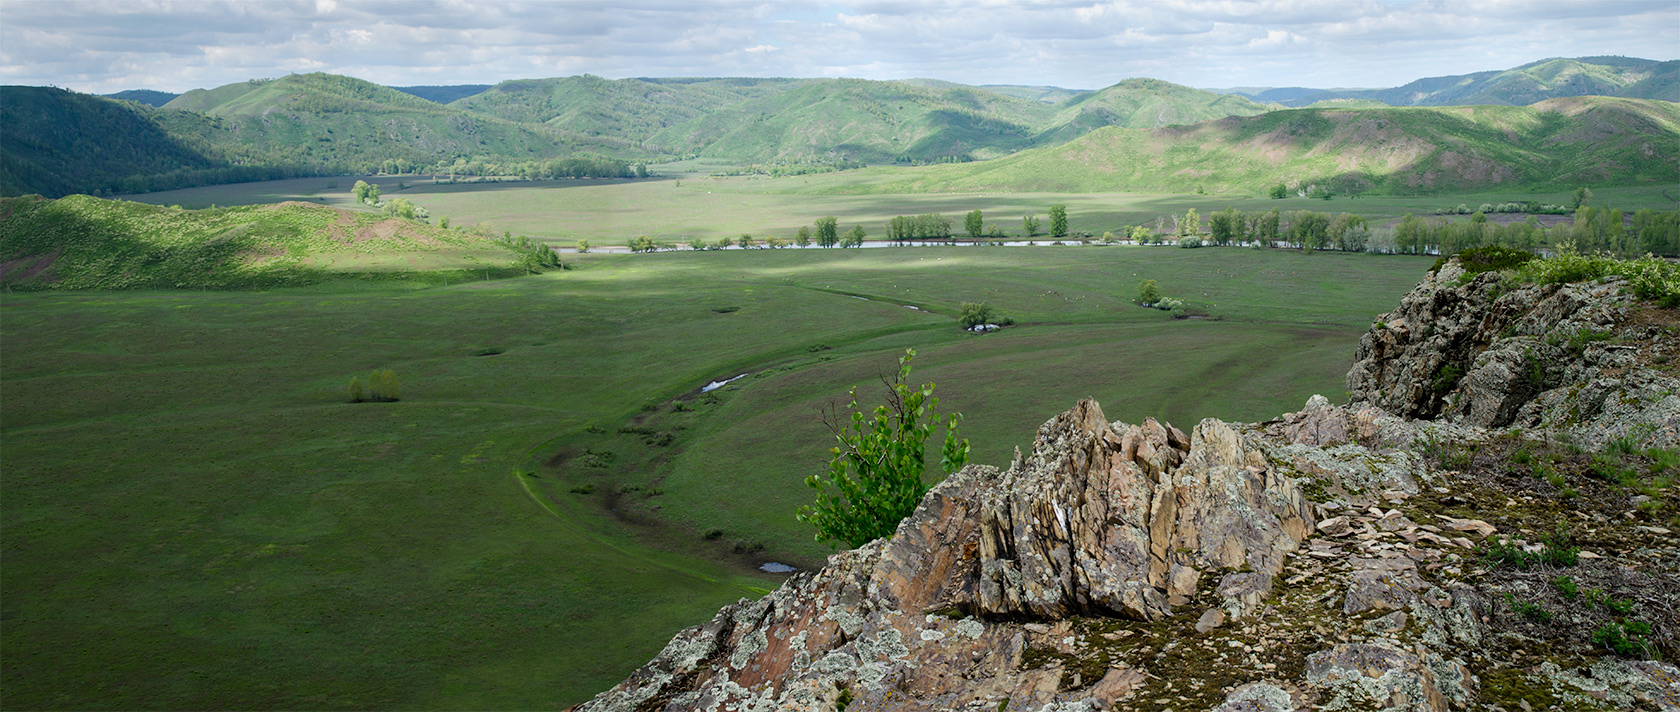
(1104, 519)
(1486, 353)
(1378, 675)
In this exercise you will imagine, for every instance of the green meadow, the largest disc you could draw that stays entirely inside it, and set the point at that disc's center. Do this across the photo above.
(691, 203)
(196, 518)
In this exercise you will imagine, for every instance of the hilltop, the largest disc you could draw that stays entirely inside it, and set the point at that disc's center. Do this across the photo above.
(1404, 151)
(1626, 77)
(82, 242)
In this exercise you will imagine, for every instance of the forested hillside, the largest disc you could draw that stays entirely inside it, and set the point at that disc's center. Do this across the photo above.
(1537, 81)
(1405, 151)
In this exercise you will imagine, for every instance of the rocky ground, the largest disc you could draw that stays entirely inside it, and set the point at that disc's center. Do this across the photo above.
(1488, 525)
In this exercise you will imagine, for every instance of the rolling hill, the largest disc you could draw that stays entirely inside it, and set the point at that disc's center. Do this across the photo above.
(57, 142)
(1556, 143)
(1141, 103)
(444, 94)
(82, 242)
(149, 97)
(1537, 81)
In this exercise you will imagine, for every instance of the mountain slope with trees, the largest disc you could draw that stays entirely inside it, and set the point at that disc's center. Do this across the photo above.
(1407, 151)
(1627, 77)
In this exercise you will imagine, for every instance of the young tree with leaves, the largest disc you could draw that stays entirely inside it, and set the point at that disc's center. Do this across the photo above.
(828, 231)
(1058, 221)
(875, 471)
(1029, 225)
(803, 237)
(975, 223)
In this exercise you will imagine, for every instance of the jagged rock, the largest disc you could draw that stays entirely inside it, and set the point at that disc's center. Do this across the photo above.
(1258, 697)
(1355, 675)
(1482, 353)
(1100, 518)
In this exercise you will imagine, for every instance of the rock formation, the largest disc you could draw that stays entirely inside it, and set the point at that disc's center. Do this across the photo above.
(1357, 557)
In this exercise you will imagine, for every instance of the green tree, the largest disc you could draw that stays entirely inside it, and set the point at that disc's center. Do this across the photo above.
(582, 246)
(697, 243)
(1279, 191)
(875, 471)
(725, 242)
(1140, 234)
(360, 191)
(975, 223)
(975, 314)
(746, 241)
(1580, 197)
(854, 237)
(357, 393)
(828, 231)
(1029, 225)
(443, 222)
(1191, 225)
(1148, 292)
(1058, 221)
(803, 237)
(383, 386)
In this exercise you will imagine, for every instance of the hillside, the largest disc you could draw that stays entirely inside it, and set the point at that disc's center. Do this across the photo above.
(82, 242)
(1141, 104)
(444, 94)
(1405, 151)
(1537, 81)
(57, 142)
(149, 97)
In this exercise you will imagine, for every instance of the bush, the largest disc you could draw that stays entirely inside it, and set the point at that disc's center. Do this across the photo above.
(383, 386)
(1170, 304)
(1189, 242)
(875, 475)
(975, 314)
(1148, 292)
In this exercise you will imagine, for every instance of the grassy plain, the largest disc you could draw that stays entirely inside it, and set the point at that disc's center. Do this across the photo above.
(194, 517)
(613, 211)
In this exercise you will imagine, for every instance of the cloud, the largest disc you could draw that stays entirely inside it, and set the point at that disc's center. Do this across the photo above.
(103, 46)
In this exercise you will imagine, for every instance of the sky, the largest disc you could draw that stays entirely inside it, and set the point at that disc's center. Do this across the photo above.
(104, 47)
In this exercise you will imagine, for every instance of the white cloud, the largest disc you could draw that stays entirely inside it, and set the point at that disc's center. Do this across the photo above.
(104, 46)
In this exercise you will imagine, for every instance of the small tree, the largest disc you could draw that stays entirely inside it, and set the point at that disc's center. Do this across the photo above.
(975, 314)
(854, 237)
(975, 223)
(443, 222)
(360, 191)
(1140, 234)
(1279, 191)
(1029, 225)
(746, 241)
(1191, 225)
(1580, 197)
(1058, 221)
(828, 231)
(875, 473)
(803, 237)
(382, 386)
(726, 242)
(582, 246)
(357, 393)
(1148, 292)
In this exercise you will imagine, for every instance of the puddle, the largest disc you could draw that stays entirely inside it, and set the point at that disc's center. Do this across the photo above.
(714, 385)
(911, 308)
(772, 567)
(854, 296)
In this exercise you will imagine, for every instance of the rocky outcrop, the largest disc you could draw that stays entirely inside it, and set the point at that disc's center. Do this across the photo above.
(1486, 352)
(1338, 557)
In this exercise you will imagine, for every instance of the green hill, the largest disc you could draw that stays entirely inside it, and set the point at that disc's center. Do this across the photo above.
(1139, 104)
(1537, 81)
(635, 111)
(444, 94)
(1557, 143)
(57, 142)
(82, 242)
(149, 97)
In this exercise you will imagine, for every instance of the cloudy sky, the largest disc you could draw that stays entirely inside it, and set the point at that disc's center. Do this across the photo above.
(104, 47)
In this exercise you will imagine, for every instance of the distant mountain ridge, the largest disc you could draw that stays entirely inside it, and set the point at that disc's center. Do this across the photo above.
(1554, 78)
(57, 143)
(149, 97)
(1404, 151)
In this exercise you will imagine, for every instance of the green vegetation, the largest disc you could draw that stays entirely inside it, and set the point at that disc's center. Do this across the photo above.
(1529, 83)
(82, 242)
(975, 314)
(876, 471)
(1411, 151)
(185, 491)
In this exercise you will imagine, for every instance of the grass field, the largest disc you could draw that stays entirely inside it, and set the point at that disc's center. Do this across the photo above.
(612, 211)
(194, 517)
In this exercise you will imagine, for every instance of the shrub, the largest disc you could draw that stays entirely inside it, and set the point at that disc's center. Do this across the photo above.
(1148, 292)
(383, 386)
(875, 473)
(974, 314)
(1492, 258)
(1170, 304)
(1189, 242)
(357, 393)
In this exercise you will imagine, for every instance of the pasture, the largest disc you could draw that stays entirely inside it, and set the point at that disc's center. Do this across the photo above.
(196, 518)
(693, 204)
